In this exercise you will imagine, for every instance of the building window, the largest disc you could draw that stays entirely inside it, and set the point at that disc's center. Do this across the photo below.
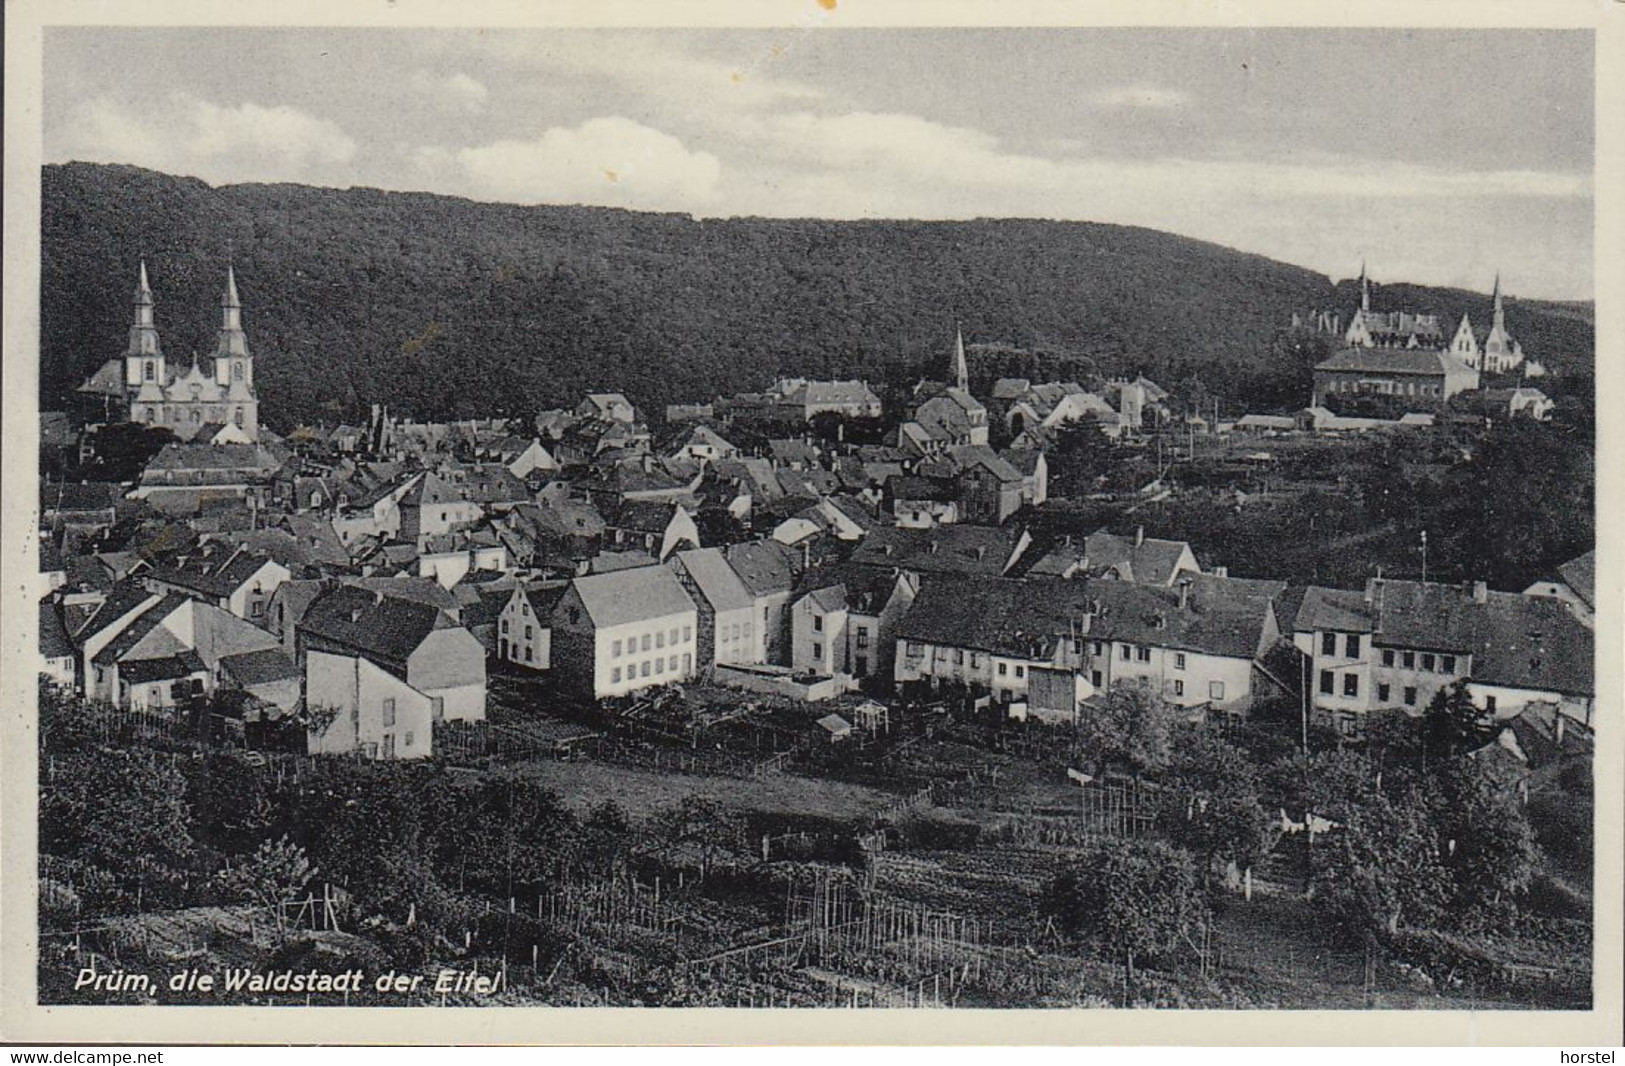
(1387, 656)
(749, 626)
(407, 742)
(643, 671)
(257, 609)
(1352, 644)
(959, 656)
(1489, 704)
(389, 711)
(1410, 695)
(1410, 660)
(863, 636)
(673, 664)
(147, 371)
(615, 676)
(1128, 652)
(529, 632)
(1351, 684)
(1382, 693)
(660, 665)
(660, 639)
(237, 417)
(1143, 653)
(1021, 671)
(1328, 644)
(688, 633)
(1178, 687)
(1447, 664)
(1099, 648)
(688, 663)
(647, 641)
(1179, 660)
(674, 634)
(916, 649)
(1004, 668)
(505, 629)
(1427, 661)
(389, 745)
(1215, 690)
(1326, 683)
(975, 661)
(237, 375)
(818, 623)
(614, 648)
(818, 651)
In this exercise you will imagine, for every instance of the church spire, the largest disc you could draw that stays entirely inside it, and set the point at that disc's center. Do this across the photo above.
(1365, 288)
(231, 340)
(1499, 311)
(960, 370)
(143, 331)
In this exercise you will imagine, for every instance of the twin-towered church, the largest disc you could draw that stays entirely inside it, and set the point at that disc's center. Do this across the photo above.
(213, 402)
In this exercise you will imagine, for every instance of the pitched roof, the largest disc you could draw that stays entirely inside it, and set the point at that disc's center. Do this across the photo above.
(376, 626)
(163, 668)
(764, 566)
(217, 569)
(1153, 561)
(1392, 361)
(965, 549)
(1020, 617)
(122, 598)
(53, 635)
(717, 580)
(1580, 575)
(259, 667)
(632, 595)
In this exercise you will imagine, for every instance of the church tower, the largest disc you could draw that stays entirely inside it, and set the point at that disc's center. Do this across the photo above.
(144, 358)
(233, 365)
(1365, 289)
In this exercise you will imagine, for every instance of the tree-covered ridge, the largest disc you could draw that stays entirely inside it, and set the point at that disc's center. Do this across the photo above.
(444, 307)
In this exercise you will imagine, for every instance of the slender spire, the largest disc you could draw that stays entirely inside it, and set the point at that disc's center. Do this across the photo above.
(1365, 287)
(961, 371)
(230, 339)
(1497, 295)
(143, 331)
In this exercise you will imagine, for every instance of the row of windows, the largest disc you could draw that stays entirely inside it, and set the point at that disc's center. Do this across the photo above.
(1351, 645)
(1021, 669)
(1215, 689)
(657, 640)
(651, 668)
(1444, 664)
(1407, 388)
(1140, 652)
(1328, 684)
(736, 631)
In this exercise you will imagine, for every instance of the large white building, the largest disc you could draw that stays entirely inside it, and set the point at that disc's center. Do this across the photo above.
(625, 630)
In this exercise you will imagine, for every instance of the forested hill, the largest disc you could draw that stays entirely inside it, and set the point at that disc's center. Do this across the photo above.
(445, 307)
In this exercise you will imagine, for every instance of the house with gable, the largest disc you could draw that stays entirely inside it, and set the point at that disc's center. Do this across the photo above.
(729, 630)
(625, 630)
(845, 618)
(227, 575)
(524, 628)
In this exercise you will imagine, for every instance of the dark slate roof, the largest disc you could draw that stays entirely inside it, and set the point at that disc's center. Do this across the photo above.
(139, 627)
(864, 589)
(121, 599)
(259, 667)
(642, 516)
(376, 626)
(87, 496)
(53, 635)
(1151, 562)
(765, 566)
(1391, 361)
(1515, 641)
(964, 549)
(214, 457)
(167, 668)
(1026, 617)
(217, 569)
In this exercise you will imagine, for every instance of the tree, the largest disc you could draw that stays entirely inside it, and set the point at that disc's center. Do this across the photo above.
(1382, 867)
(1132, 897)
(1488, 845)
(270, 877)
(1453, 725)
(1130, 725)
(1211, 802)
(125, 813)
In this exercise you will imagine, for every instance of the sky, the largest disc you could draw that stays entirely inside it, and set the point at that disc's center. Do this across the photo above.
(1436, 156)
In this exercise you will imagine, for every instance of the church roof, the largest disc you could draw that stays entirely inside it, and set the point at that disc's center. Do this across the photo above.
(1391, 361)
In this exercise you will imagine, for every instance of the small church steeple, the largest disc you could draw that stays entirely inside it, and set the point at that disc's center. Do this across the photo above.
(1365, 288)
(1498, 310)
(144, 356)
(960, 371)
(231, 340)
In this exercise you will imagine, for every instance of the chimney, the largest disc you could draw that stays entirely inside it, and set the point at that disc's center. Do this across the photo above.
(1480, 592)
(933, 547)
(1139, 536)
(1558, 722)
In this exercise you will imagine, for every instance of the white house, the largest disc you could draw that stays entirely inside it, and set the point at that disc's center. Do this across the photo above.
(624, 630)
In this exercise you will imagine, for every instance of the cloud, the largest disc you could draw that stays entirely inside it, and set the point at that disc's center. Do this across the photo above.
(610, 161)
(1147, 97)
(246, 142)
(458, 90)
